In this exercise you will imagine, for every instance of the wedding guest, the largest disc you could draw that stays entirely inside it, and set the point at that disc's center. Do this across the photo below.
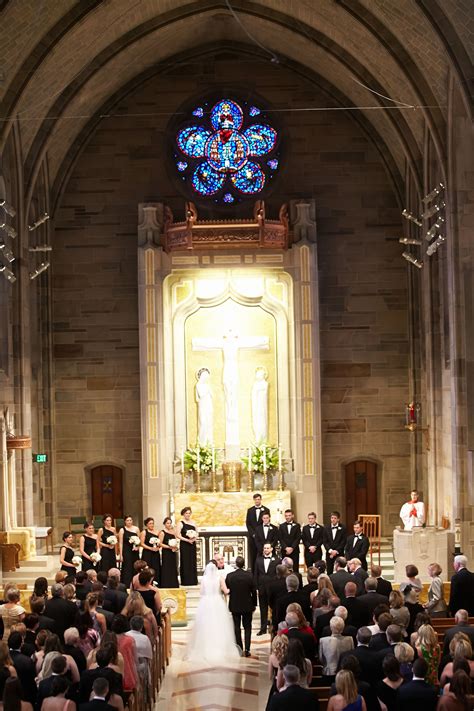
(71, 648)
(461, 624)
(252, 520)
(128, 649)
(417, 694)
(150, 542)
(436, 605)
(7, 670)
(138, 566)
(169, 558)
(459, 695)
(11, 611)
(294, 594)
(12, 696)
(340, 576)
(187, 533)
(143, 645)
(295, 655)
(460, 648)
(53, 649)
(40, 588)
(412, 581)
(387, 689)
(334, 539)
(135, 605)
(129, 548)
(66, 554)
(303, 624)
(331, 648)
(384, 587)
(109, 641)
(292, 695)
(428, 648)
(107, 550)
(405, 654)
(98, 619)
(89, 638)
(347, 696)
(462, 587)
(359, 575)
(275, 660)
(312, 538)
(422, 618)
(149, 593)
(399, 611)
(88, 544)
(58, 701)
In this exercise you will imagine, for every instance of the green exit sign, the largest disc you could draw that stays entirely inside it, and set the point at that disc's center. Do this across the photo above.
(40, 458)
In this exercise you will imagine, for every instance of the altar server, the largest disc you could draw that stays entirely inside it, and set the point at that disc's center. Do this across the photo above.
(413, 512)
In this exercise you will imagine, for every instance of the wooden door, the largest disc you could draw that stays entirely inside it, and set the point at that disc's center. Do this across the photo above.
(107, 494)
(361, 490)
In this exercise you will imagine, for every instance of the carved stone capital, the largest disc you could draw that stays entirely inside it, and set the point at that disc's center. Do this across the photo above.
(150, 224)
(303, 219)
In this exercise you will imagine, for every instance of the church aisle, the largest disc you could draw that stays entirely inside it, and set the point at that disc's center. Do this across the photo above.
(240, 686)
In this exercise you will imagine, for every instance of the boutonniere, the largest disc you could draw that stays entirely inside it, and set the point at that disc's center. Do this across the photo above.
(338, 528)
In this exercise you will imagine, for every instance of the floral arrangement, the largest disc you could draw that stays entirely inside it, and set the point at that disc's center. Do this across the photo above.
(154, 541)
(112, 540)
(173, 543)
(192, 534)
(262, 457)
(135, 542)
(77, 561)
(95, 557)
(206, 455)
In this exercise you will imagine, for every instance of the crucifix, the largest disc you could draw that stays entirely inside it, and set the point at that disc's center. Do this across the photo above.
(230, 344)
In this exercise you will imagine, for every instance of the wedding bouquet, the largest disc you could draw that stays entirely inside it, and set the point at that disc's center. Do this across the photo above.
(173, 543)
(192, 534)
(95, 557)
(154, 541)
(135, 542)
(77, 561)
(112, 540)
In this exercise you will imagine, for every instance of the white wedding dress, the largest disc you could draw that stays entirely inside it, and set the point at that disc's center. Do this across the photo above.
(212, 637)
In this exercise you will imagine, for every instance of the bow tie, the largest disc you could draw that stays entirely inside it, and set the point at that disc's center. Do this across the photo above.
(266, 525)
(334, 528)
(312, 526)
(267, 557)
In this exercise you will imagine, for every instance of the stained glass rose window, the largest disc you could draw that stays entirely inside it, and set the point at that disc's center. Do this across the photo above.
(228, 151)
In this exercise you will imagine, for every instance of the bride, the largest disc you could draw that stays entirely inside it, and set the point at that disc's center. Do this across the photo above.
(212, 637)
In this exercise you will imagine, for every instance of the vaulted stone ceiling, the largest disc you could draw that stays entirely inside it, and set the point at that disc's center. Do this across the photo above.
(66, 63)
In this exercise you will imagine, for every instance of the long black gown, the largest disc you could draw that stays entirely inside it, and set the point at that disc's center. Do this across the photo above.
(187, 555)
(109, 559)
(129, 558)
(90, 546)
(169, 564)
(68, 556)
(152, 557)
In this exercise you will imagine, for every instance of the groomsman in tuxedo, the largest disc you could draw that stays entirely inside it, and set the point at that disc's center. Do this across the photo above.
(254, 517)
(265, 572)
(312, 537)
(290, 537)
(334, 538)
(357, 546)
(265, 532)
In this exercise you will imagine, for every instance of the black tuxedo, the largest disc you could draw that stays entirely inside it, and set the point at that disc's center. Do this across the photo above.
(96, 705)
(290, 539)
(262, 580)
(416, 695)
(384, 587)
(315, 540)
(462, 592)
(294, 698)
(26, 670)
(251, 522)
(358, 550)
(339, 580)
(335, 543)
(260, 540)
(63, 612)
(371, 600)
(242, 603)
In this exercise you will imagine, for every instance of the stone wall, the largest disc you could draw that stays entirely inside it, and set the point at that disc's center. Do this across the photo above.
(364, 346)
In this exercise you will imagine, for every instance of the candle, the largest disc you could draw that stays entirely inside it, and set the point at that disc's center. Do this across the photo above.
(198, 464)
(213, 461)
(264, 458)
(279, 457)
(250, 459)
(182, 461)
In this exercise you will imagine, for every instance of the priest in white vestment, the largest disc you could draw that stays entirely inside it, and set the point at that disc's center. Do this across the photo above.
(413, 512)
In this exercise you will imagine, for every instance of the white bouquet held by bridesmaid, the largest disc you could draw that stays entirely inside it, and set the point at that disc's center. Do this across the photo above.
(173, 543)
(192, 534)
(154, 541)
(95, 557)
(112, 540)
(135, 542)
(77, 561)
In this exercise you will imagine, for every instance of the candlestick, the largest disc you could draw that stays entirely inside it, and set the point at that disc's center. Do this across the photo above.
(249, 471)
(279, 457)
(182, 460)
(265, 476)
(198, 474)
(213, 461)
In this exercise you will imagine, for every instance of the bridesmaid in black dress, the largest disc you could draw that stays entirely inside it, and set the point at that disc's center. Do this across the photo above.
(187, 549)
(129, 551)
(108, 551)
(66, 554)
(87, 545)
(150, 551)
(169, 556)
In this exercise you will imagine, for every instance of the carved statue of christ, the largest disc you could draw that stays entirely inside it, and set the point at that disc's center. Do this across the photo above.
(229, 344)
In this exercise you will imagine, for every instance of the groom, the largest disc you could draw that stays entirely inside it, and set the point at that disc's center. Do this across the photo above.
(242, 602)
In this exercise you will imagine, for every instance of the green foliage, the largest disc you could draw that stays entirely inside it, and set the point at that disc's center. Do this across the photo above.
(257, 458)
(205, 459)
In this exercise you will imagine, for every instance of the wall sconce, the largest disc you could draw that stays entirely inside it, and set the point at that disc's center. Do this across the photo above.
(412, 416)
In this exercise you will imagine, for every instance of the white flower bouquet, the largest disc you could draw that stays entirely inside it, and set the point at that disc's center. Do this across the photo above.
(154, 541)
(112, 540)
(192, 534)
(135, 542)
(77, 561)
(95, 557)
(173, 543)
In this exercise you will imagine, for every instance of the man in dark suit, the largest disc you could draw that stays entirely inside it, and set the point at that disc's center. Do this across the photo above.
(417, 694)
(276, 588)
(265, 532)
(357, 546)
(341, 576)
(312, 575)
(289, 535)
(100, 691)
(367, 658)
(379, 640)
(461, 619)
(312, 537)
(37, 605)
(265, 571)
(334, 539)
(371, 598)
(384, 587)
(359, 575)
(58, 668)
(25, 668)
(242, 602)
(322, 621)
(462, 587)
(63, 612)
(253, 518)
(293, 631)
(104, 657)
(357, 612)
(293, 697)
(114, 599)
(294, 594)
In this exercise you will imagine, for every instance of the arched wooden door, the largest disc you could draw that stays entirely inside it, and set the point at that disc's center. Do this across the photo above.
(107, 495)
(361, 490)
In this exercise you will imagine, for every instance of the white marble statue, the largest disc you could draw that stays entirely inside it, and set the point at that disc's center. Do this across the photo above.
(229, 344)
(205, 408)
(260, 405)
